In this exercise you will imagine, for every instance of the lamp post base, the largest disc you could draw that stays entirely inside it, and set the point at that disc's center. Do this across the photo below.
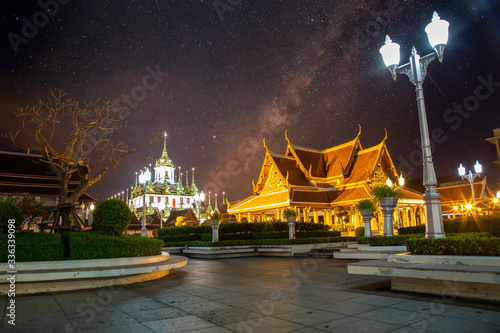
(434, 219)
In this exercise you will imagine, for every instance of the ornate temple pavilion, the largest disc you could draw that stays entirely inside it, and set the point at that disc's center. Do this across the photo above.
(165, 192)
(324, 185)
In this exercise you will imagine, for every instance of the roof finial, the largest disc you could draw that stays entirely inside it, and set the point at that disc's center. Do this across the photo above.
(165, 140)
(359, 131)
(385, 129)
(264, 141)
(286, 137)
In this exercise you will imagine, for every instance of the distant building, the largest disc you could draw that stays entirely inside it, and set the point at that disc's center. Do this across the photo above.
(166, 192)
(457, 199)
(25, 173)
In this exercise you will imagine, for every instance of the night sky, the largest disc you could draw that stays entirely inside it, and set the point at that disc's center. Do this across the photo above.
(231, 72)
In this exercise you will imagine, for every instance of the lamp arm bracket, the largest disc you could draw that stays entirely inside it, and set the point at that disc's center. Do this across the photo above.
(406, 69)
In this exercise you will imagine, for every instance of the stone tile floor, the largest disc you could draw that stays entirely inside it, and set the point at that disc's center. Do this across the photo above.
(252, 295)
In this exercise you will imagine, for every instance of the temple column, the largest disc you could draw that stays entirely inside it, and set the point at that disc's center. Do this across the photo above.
(413, 220)
(422, 216)
(405, 217)
(328, 217)
(315, 215)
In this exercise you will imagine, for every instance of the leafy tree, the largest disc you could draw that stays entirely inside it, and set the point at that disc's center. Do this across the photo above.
(86, 131)
(33, 211)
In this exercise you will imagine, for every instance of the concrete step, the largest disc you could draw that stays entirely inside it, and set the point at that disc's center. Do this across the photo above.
(328, 249)
(314, 255)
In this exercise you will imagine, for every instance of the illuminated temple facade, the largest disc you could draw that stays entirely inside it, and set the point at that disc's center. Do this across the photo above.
(323, 186)
(166, 191)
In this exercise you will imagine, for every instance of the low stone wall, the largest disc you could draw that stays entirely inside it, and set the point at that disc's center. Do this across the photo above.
(475, 277)
(251, 250)
(49, 276)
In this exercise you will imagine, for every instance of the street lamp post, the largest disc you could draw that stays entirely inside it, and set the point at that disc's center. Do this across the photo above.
(161, 208)
(437, 32)
(144, 177)
(470, 177)
(199, 198)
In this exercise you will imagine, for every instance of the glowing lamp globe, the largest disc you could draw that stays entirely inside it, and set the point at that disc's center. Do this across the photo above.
(461, 170)
(437, 32)
(388, 182)
(478, 167)
(390, 55)
(401, 180)
(144, 176)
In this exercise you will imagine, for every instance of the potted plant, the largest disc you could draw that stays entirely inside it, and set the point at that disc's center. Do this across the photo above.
(366, 207)
(387, 198)
(290, 215)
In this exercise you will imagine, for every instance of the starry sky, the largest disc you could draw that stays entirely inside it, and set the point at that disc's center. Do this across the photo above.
(225, 74)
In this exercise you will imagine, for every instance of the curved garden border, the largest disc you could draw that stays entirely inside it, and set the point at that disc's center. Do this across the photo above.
(64, 275)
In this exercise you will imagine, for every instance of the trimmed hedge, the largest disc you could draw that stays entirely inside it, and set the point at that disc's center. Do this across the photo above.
(224, 237)
(397, 240)
(242, 227)
(90, 245)
(33, 247)
(263, 242)
(466, 245)
(185, 230)
(180, 238)
(420, 229)
(359, 232)
(485, 223)
(270, 235)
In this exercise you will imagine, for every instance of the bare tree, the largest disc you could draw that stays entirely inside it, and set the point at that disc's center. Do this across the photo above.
(69, 136)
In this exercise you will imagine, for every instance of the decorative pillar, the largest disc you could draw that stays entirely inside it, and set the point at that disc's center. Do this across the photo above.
(215, 231)
(367, 219)
(291, 227)
(388, 205)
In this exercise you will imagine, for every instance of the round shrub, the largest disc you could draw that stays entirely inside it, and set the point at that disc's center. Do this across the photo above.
(9, 211)
(111, 217)
(359, 232)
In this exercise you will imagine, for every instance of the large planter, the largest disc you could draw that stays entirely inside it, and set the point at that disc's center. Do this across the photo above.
(367, 220)
(388, 205)
(215, 231)
(291, 227)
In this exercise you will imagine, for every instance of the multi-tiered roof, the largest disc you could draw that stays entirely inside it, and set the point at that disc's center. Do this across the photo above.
(304, 177)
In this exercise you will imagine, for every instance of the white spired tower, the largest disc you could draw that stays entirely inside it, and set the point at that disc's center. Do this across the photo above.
(164, 167)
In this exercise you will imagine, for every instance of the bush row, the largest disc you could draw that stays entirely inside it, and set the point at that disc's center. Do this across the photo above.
(33, 247)
(263, 242)
(247, 235)
(468, 245)
(397, 240)
(243, 227)
(78, 245)
(486, 223)
(88, 245)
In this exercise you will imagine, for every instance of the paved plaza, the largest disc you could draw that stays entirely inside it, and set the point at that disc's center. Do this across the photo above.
(253, 295)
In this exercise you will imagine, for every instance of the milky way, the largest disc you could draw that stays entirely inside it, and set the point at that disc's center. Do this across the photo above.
(234, 72)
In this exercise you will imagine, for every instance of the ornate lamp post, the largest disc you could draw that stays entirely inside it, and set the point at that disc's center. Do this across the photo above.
(470, 177)
(161, 208)
(199, 198)
(437, 32)
(144, 177)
